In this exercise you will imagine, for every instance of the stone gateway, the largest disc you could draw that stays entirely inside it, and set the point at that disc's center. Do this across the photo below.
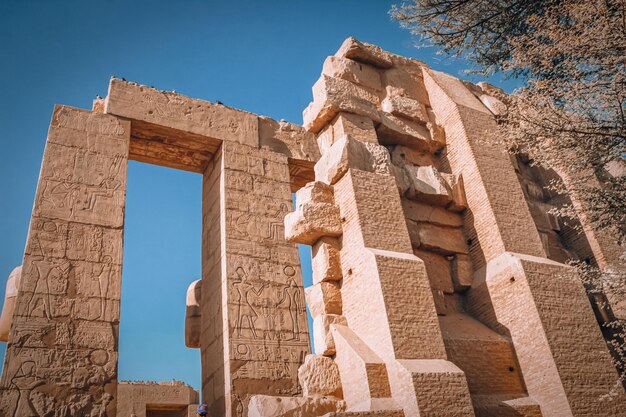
(440, 284)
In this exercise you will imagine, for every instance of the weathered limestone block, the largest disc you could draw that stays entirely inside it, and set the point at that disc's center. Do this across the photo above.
(319, 377)
(353, 71)
(312, 221)
(462, 272)
(444, 240)
(323, 298)
(494, 105)
(333, 95)
(616, 168)
(403, 181)
(403, 155)
(487, 358)
(425, 213)
(365, 53)
(406, 296)
(176, 111)
(447, 303)
(414, 235)
(287, 138)
(543, 306)
(437, 132)
(430, 387)
(145, 399)
(325, 260)
(347, 153)
(457, 192)
(13, 283)
(324, 343)
(98, 104)
(405, 79)
(429, 185)
(363, 374)
(192, 314)
(361, 197)
(271, 406)
(405, 107)
(314, 192)
(438, 269)
(394, 130)
(326, 138)
(358, 127)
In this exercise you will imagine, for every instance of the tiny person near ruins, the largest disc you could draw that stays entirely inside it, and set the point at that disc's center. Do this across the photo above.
(203, 410)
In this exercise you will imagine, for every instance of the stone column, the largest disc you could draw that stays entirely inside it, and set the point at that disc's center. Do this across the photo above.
(254, 332)
(381, 272)
(62, 350)
(539, 303)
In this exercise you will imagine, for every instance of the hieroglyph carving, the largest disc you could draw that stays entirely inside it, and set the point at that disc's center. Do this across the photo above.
(62, 355)
(265, 309)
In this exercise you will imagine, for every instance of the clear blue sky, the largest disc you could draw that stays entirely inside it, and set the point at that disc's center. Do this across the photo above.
(259, 56)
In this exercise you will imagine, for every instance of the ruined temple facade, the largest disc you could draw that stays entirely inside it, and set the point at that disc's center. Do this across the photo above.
(440, 284)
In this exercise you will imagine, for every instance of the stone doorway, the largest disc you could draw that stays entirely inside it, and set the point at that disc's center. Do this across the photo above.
(162, 248)
(253, 327)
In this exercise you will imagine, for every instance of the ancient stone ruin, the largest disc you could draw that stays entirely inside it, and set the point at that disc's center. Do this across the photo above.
(163, 399)
(440, 287)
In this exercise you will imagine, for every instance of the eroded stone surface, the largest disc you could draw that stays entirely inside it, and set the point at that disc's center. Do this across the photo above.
(322, 337)
(143, 399)
(323, 298)
(269, 406)
(312, 221)
(326, 262)
(319, 377)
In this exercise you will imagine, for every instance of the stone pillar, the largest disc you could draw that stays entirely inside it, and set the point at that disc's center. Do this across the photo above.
(62, 350)
(254, 331)
(381, 271)
(540, 304)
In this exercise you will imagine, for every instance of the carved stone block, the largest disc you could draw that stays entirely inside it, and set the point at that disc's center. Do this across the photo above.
(363, 374)
(319, 377)
(314, 192)
(312, 221)
(347, 153)
(462, 272)
(357, 127)
(353, 71)
(405, 107)
(270, 406)
(324, 343)
(323, 298)
(289, 139)
(333, 95)
(394, 130)
(429, 185)
(325, 260)
(365, 53)
(444, 240)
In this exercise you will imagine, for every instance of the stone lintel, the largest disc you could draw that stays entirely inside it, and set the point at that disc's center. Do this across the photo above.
(176, 131)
